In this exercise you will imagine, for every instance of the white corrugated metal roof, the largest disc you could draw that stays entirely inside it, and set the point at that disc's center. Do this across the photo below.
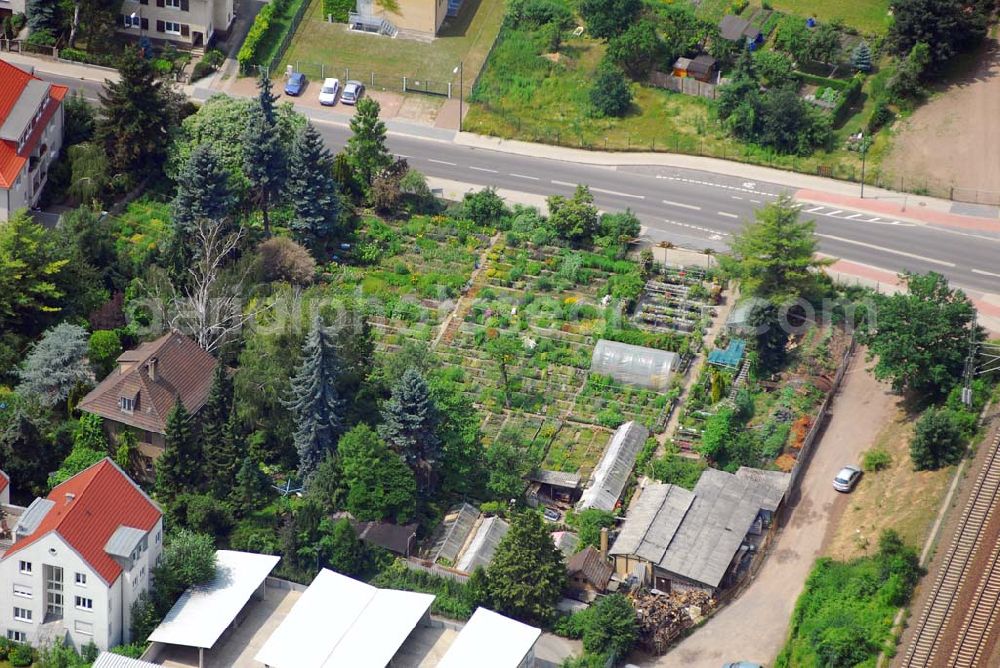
(202, 613)
(490, 640)
(109, 660)
(340, 621)
(611, 475)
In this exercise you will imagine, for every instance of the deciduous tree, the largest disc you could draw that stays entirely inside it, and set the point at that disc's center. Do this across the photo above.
(30, 268)
(607, 18)
(921, 337)
(504, 349)
(379, 484)
(937, 440)
(951, 26)
(574, 219)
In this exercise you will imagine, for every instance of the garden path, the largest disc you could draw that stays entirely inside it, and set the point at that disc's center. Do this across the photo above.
(454, 319)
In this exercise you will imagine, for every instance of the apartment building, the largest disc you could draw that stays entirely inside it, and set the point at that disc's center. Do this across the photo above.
(78, 559)
(186, 23)
(31, 130)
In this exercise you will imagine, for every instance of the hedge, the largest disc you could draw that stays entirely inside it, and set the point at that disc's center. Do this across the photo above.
(247, 55)
(338, 9)
(839, 84)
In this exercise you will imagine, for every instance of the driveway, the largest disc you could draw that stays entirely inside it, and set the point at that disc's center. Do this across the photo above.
(755, 625)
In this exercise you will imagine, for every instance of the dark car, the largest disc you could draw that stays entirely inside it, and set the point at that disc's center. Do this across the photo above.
(353, 90)
(296, 84)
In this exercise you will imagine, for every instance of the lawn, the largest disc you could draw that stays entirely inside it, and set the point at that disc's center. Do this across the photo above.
(865, 16)
(896, 498)
(466, 39)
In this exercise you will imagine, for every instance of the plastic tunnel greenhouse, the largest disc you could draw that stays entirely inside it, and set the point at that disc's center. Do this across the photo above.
(638, 366)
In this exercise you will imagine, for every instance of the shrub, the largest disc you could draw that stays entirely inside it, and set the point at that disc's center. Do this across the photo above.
(284, 260)
(248, 53)
(876, 459)
(201, 70)
(21, 656)
(937, 440)
(881, 116)
(676, 470)
(132, 650)
(611, 94)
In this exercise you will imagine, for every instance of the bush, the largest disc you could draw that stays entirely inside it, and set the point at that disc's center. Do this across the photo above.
(21, 656)
(611, 94)
(937, 440)
(676, 470)
(284, 260)
(104, 348)
(133, 650)
(201, 70)
(248, 53)
(451, 600)
(881, 116)
(337, 9)
(876, 459)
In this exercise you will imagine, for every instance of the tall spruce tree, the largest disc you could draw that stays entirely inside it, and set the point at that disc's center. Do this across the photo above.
(314, 401)
(220, 434)
(42, 16)
(861, 57)
(265, 159)
(203, 190)
(527, 574)
(135, 119)
(366, 150)
(252, 487)
(178, 468)
(410, 424)
(312, 190)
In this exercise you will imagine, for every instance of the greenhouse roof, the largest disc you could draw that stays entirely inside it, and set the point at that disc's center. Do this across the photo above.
(730, 356)
(638, 366)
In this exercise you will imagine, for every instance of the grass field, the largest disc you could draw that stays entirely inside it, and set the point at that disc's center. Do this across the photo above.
(466, 39)
(522, 95)
(865, 16)
(896, 498)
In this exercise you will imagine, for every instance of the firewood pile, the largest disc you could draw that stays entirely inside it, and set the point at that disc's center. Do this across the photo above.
(663, 617)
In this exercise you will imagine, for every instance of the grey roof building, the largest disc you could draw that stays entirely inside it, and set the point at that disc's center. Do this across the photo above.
(734, 28)
(673, 537)
(612, 473)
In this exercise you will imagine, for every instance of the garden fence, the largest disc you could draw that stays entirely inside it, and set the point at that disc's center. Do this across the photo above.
(21, 46)
(376, 81)
(287, 39)
(805, 453)
(685, 85)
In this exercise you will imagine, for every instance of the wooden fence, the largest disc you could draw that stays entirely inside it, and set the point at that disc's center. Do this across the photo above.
(685, 85)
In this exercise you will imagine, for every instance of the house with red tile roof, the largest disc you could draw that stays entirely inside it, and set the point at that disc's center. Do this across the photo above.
(80, 558)
(31, 131)
(139, 394)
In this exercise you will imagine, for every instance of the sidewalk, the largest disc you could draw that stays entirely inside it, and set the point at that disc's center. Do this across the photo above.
(61, 68)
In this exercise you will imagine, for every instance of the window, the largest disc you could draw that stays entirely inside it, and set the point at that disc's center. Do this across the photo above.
(81, 579)
(157, 537)
(17, 636)
(127, 404)
(83, 603)
(83, 628)
(24, 567)
(22, 614)
(173, 4)
(131, 20)
(23, 591)
(172, 27)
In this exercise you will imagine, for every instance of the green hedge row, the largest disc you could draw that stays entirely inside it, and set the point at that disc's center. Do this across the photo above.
(338, 9)
(247, 55)
(839, 84)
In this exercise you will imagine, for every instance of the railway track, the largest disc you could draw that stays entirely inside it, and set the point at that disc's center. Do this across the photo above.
(953, 575)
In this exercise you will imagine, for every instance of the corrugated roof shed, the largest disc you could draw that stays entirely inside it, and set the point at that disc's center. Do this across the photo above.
(109, 660)
(556, 478)
(612, 472)
(339, 622)
(490, 640)
(696, 534)
(639, 366)
(396, 538)
(203, 613)
(484, 544)
(456, 527)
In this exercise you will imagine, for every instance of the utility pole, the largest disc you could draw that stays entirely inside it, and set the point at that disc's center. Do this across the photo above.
(988, 356)
(461, 85)
(864, 154)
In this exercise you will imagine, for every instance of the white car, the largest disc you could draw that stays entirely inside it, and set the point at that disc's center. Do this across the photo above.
(328, 94)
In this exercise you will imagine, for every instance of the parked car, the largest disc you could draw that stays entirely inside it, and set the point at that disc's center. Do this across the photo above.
(742, 664)
(296, 84)
(353, 90)
(328, 94)
(847, 478)
(551, 514)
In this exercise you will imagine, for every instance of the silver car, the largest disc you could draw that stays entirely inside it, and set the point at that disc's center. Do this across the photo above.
(353, 90)
(847, 478)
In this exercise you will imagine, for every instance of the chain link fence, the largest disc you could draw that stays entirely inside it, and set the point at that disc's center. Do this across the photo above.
(376, 81)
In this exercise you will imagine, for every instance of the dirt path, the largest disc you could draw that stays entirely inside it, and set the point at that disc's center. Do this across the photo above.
(954, 138)
(754, 626)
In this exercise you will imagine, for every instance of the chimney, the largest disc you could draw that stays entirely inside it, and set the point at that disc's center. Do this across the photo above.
(69, 497)
(151, 368)
(604, 542)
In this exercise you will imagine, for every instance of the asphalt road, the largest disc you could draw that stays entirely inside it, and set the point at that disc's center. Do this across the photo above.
(689, 207)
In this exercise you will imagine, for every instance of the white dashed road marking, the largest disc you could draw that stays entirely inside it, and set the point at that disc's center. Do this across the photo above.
(522, 176)
(443, 162)
(616, 193)
(563, 183)
(985, 273)
(681, 205)
(716, 234)
(727, 214)
(483, 169)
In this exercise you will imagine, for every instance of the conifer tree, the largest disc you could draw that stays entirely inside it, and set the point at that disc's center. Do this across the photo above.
(265, 160)
(314, 401)
(252, 488)
(177, 468)
(203, 190)
(135, 118)
(366, 150)
(312, 190)
(527, 574)
(861, 57)
(409, 426)
(222, 454)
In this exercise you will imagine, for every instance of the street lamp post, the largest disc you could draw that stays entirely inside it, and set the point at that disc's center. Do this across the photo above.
(864, 154)
(461, 77)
